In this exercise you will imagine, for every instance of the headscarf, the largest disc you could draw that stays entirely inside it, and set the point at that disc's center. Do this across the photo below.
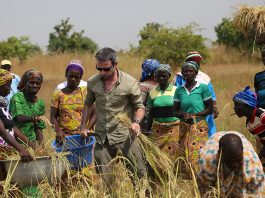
(247, 97)
(192, 64)
(194, 56)
(74, 65)
(148, 67)
(164, 67)
(30, 74)
(5, 77)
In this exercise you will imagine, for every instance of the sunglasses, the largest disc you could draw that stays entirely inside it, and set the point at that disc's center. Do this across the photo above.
(104, 68)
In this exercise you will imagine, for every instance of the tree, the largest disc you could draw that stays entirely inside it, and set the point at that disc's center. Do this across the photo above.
(64, 39)
(19, 48)
(230, 36)
(170, 45)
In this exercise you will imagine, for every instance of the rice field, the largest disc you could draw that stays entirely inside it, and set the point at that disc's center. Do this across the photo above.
(226, 79)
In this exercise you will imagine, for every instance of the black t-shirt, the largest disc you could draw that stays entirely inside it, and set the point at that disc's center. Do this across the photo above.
(6, 118)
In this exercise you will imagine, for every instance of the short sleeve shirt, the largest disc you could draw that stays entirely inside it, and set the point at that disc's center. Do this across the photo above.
(70, 109)
(193, 101)
(162, 103)
(124, 97)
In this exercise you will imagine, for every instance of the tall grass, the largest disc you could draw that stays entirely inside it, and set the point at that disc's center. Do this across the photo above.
(226, 79)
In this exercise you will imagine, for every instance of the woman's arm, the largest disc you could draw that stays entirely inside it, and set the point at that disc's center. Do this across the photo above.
(24, 118)
(208, 109)
(54, 121)
(39, 135)
(150, 119)
(180, 114)
(92, 117)
(25, 155)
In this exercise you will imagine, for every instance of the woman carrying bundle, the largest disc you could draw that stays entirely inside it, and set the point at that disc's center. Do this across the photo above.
(26, 108)
(161, 112)
(193, 102)
(67, 103)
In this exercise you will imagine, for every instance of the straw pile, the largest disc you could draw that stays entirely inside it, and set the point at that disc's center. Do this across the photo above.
(247, 19)
(158, 160)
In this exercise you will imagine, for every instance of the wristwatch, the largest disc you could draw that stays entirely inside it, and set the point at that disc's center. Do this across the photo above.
(137, 121)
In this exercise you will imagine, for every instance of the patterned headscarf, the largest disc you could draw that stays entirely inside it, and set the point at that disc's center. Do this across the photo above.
(191, 64)
(148, 67)
(5, 77)
(30, 74)
(194, 56)
(247, 97)
(164, 67)
(74, 65)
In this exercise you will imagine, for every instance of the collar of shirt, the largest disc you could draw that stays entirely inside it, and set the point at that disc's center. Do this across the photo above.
(188, 92)
(169, 88)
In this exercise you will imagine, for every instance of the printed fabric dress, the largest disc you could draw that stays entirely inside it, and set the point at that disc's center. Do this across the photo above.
(70, 109)
(165, 128)
(20, 106)
(192, 136)
(249, 181)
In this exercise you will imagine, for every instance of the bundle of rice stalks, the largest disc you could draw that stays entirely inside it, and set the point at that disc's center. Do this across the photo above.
(248, 19)
(158, 160)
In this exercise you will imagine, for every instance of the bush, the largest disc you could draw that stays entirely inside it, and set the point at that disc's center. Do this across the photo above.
(20, 48)
(170, 45)
(64, 39)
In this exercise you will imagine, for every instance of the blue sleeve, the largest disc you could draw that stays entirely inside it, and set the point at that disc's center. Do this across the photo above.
(179, 81)
(210, 86)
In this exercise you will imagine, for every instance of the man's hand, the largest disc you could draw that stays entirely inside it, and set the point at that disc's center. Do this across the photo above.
(135, 128)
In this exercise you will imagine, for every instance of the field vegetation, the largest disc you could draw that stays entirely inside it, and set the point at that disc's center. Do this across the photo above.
(229, 71)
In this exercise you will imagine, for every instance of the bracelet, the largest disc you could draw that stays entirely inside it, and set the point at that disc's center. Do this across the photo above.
(137, 121)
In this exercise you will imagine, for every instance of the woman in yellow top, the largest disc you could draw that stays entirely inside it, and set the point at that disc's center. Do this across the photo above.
(67, 104)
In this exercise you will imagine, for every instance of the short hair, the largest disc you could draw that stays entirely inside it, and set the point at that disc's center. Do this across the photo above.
(231, 144)
(106, 54)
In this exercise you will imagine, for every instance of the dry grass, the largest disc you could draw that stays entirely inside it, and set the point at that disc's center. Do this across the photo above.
(226, 78)
(248, 18)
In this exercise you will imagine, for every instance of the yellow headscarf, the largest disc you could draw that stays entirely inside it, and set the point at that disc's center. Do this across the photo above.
(5, 77)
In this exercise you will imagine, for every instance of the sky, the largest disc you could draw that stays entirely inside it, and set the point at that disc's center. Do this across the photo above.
(111, 23)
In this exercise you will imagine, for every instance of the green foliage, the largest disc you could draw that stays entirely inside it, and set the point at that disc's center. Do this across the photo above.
(64, 39)
(170, 45)
(19, 48)
(228, 35)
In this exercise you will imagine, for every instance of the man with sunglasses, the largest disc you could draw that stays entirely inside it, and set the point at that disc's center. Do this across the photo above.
(114, 92)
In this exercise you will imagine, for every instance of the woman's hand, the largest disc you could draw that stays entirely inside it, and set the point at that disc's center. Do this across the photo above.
(215, 111)
(59, 136)
(32, 144)
(25, 155)
(188, 118)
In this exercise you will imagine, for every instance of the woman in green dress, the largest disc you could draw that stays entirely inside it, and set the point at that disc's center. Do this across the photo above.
(26, 108)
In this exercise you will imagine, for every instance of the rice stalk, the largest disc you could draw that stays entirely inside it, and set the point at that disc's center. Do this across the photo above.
(158, 160)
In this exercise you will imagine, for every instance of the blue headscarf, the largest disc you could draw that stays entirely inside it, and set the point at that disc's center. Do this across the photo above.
(148, 67)
(247, 97)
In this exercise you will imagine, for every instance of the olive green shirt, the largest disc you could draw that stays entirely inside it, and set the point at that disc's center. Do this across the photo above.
(124, 97)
